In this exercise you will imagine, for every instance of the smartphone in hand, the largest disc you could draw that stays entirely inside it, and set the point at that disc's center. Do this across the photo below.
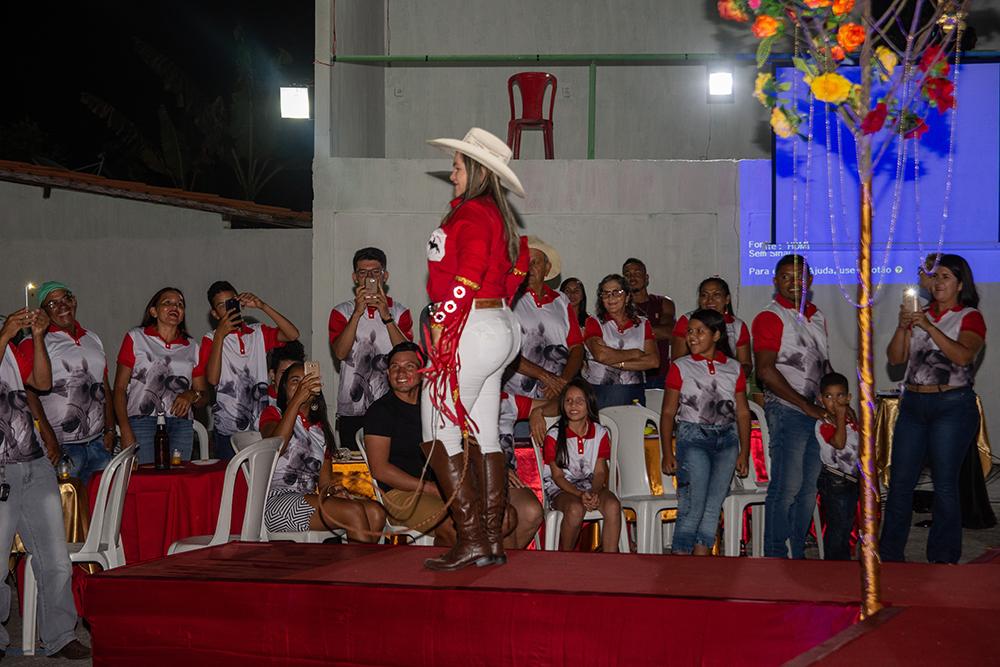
(311, 368)
(371, 286)
(234, 304)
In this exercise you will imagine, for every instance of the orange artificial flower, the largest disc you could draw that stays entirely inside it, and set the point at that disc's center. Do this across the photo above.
(851, 36)
(731, 11)
(841, 7)
(837, 53)
(816, 4)
(765, 26)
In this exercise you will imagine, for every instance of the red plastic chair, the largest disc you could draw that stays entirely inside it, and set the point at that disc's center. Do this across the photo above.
(532, 86)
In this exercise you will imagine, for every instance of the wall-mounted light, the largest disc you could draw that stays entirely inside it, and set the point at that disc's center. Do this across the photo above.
(720, 83)
(295, 102)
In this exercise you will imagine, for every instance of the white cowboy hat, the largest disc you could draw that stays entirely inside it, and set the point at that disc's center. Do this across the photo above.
(555, 263)
(488, 150)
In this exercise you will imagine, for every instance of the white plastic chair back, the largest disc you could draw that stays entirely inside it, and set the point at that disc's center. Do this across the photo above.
(104, 533)
(654, 400)
(628, 426)
(259, 458)
(359, 439)
(749, 483)
(202, 435)
(244, 439)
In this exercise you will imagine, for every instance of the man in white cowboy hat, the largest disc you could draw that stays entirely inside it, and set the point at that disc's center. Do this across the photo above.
(551, 342)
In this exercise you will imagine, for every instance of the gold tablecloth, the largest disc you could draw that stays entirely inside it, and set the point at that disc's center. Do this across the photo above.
(76, 514)
(885, 422)
(354, 476)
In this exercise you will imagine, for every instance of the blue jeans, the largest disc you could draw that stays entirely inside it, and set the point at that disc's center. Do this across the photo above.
(610, 395)
(180, 431)
(791, 491)
(839, 501)
(222, 447)
(706, 460)
(86, 458)
(937, 429)
(34, 509)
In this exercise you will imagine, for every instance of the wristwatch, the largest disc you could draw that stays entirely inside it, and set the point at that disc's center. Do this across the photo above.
(388, 320)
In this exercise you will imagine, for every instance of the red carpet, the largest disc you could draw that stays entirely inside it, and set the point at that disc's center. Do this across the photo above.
(287, 604)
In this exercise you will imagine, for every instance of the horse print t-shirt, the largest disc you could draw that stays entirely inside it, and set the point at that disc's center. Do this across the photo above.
(548, 331)
(161, 370)
(75, 405)
(241, 394)
(582, 454)
(297, 469)
(19, 441)
(707, 388)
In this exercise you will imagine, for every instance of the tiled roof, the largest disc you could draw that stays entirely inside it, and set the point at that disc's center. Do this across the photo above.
(53, 177)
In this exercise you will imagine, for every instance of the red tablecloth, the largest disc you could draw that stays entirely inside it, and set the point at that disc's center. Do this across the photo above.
(162, 507)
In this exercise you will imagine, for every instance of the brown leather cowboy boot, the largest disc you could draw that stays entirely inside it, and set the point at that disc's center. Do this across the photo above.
(494, 485)
(466, 509)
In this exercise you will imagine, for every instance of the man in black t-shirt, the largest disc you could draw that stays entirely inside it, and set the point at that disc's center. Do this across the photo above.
(392, 442)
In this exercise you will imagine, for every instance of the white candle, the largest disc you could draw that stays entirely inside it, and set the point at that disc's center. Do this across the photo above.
(27, 289)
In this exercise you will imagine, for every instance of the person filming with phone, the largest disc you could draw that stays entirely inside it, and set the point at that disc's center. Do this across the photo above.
(362, 332)
(234, 359)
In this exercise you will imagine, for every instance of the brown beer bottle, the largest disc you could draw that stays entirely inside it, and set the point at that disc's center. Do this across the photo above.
(161, 444)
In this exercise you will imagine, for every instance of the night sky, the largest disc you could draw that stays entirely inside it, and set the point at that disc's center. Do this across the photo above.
(54, 51)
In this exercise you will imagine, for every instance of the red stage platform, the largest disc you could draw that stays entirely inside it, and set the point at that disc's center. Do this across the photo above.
(288, 604)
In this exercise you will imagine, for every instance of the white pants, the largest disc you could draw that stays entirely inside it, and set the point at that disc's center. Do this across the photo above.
(490, 341)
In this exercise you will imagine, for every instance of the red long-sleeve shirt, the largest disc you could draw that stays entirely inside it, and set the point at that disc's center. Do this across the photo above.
(467, 259)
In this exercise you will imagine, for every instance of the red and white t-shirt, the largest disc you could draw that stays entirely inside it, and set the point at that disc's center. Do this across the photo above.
(800, 343)
(708, 388)
(75, 406)
(467, 258)
(513, 408)
(736, 330)
(161, 370)
(632, 337)
(297, 469)
(364, 373)
(241, 394)
(19, 440)
(840, 460)
(928, 365)
(548, 331)
(582, 455)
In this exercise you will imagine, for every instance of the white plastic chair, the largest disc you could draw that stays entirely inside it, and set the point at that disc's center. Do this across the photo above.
(422, 539)
(243, 439)
(202, 434)
(554, 518)
(260, 459)
(654, 401)
(627, 424)
(102, 546)
(748, 493)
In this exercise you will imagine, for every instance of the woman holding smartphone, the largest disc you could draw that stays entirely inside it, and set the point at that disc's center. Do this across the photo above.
(938, 417)
(476, 262)
(157, 374)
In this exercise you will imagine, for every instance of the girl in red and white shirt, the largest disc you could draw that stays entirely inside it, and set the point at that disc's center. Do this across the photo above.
(620, 346)
(158, 372)
(475, 263)
(706, 394)
(938, 416)
(575, 480)
(714, 294)
(305, 466)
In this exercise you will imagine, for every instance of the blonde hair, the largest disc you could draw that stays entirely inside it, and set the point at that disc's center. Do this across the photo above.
(481, 180)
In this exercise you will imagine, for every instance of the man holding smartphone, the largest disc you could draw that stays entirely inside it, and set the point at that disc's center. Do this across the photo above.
(234, 358)
(362, 332)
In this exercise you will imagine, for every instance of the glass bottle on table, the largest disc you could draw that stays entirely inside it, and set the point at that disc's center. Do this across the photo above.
(161, 443)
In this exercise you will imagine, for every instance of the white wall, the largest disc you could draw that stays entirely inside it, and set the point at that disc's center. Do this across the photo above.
(115, 253)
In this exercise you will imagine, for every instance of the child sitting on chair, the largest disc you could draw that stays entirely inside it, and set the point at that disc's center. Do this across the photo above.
(576, 450)
(837, 435)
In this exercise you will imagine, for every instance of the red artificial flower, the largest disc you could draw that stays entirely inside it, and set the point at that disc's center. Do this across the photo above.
(731, 10)
(874, 119)
(919, 130)
(934, 59)
(940, 92)
(837, 53)
(842, 6)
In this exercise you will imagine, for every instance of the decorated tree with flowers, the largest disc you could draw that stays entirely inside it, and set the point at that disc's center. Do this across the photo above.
(903, 59)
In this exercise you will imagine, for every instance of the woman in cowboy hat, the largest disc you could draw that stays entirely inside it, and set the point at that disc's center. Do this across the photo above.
(476, 262)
